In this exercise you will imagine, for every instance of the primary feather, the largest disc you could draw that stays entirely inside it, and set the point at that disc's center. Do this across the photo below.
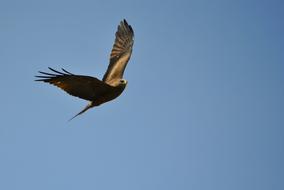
(121, 52)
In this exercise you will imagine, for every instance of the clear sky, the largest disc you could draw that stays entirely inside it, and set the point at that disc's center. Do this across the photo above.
(203, 109)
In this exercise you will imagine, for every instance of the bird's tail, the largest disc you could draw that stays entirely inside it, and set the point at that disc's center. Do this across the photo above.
(90, 105)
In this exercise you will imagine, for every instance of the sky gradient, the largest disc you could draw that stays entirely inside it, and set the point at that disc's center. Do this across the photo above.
(203, 108)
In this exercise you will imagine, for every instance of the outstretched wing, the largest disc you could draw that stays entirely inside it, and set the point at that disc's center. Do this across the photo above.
(84, 87)
(121, 52)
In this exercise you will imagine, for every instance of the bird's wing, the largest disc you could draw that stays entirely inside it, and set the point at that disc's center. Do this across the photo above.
(121, 51)
(84, 87)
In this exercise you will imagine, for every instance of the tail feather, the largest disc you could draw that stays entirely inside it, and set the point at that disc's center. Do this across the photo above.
(90, 105)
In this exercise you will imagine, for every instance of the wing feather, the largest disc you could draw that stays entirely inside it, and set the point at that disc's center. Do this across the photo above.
(121, 52)
(84, 87)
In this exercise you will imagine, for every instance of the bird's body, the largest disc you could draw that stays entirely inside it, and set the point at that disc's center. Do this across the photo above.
(90, 88)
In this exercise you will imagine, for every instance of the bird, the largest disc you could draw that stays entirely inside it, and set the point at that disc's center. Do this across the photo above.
(90, 88)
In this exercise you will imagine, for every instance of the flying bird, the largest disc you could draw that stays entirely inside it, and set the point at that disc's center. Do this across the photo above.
(90, 88)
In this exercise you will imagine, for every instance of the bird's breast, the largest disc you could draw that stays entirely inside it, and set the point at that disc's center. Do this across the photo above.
(108, 96)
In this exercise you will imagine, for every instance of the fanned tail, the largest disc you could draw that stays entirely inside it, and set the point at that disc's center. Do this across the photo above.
(90, 105)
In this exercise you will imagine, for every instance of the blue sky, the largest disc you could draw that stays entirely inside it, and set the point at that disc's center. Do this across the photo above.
(203, 108)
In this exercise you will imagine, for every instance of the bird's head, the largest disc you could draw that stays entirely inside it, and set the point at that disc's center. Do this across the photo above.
(123, 82)
(118, 83)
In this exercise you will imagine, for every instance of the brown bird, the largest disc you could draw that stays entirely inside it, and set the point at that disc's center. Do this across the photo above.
(90, 88)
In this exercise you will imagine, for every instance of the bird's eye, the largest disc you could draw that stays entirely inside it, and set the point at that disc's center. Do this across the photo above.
(122, 81)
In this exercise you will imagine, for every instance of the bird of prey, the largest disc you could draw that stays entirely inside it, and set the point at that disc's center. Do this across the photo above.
(90, 88)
